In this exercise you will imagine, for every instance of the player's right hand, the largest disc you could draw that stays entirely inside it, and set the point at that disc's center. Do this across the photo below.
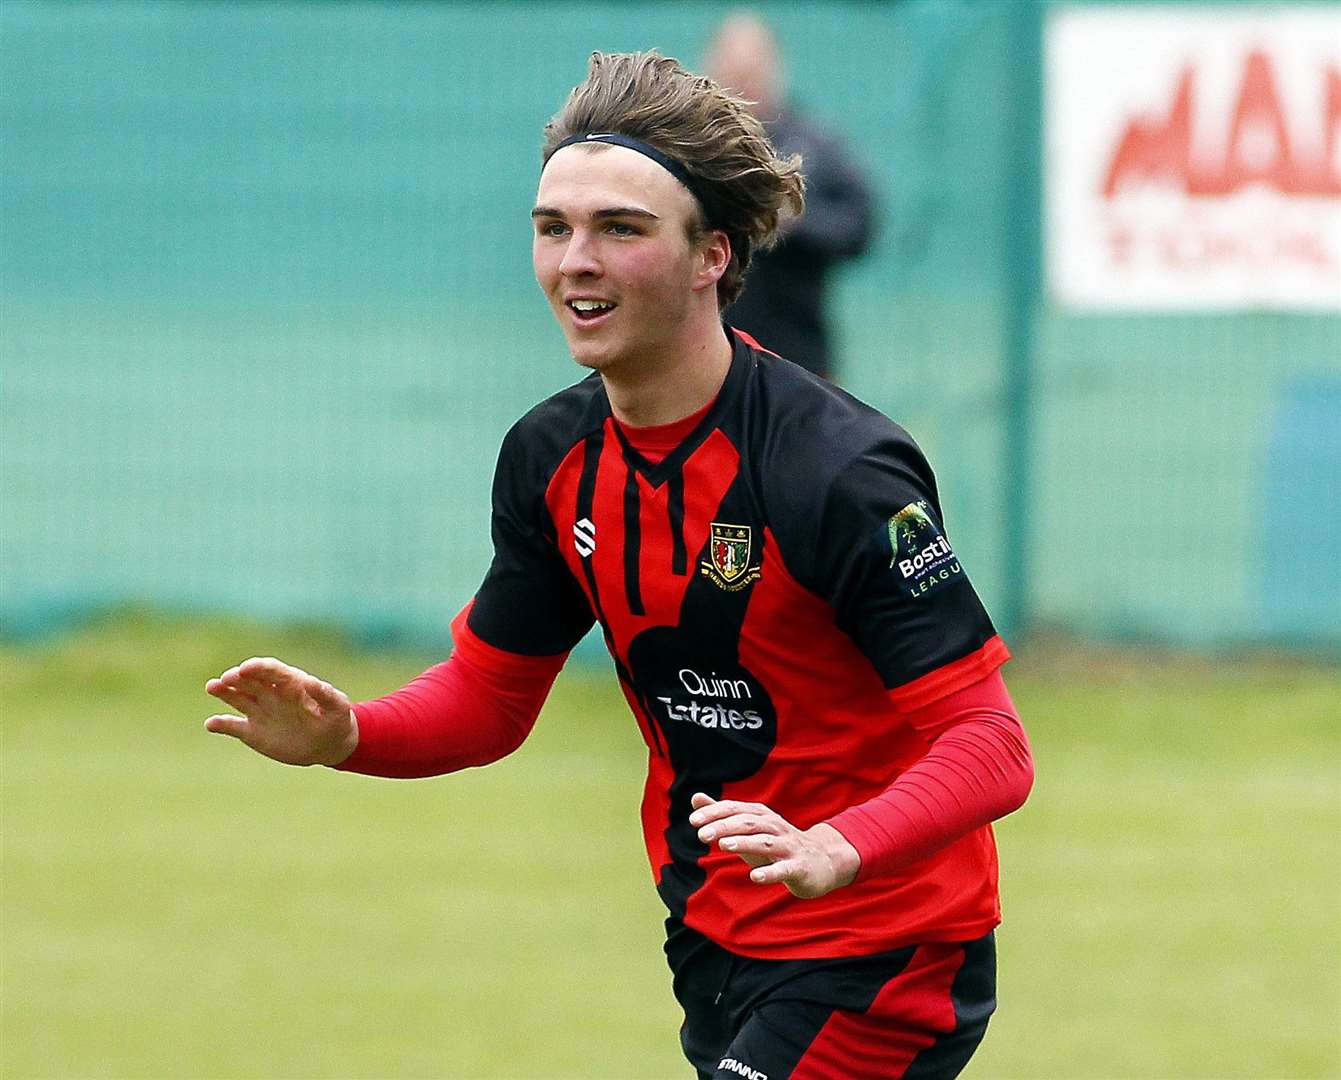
(287, 714)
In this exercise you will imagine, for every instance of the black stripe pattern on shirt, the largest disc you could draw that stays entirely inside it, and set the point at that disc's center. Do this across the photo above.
(633, 539)
(586, 499)
(675, 512)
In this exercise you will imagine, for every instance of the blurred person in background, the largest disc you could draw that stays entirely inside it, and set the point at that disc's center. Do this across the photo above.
(816, 680)
(785, 303)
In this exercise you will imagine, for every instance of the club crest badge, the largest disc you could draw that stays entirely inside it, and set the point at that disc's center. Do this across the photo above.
(729, 550)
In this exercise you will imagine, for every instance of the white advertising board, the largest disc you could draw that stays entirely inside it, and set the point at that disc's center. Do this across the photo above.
(1193, 158)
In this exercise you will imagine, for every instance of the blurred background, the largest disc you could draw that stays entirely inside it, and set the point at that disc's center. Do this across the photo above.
(266, 312)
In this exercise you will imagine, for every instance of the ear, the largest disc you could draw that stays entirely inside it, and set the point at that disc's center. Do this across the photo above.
(712, 258)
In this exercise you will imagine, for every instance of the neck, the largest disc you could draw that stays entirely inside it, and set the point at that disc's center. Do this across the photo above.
(663, 393)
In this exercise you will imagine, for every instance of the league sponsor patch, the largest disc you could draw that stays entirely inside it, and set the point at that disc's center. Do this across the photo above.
(919, 552)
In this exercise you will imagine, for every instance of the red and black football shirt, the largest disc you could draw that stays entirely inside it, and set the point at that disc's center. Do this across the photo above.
(773, 593)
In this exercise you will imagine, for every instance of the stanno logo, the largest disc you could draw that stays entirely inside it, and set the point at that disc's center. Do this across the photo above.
(730, 1064)
(918, 550)
(584, 537)
(729, 550)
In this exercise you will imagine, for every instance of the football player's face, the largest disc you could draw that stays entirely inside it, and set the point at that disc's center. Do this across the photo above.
(612, 254)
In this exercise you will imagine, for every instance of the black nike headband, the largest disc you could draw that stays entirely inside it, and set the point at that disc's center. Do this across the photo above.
(711, 206)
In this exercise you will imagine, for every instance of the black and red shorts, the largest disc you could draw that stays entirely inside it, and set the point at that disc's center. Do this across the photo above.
(918, 1013)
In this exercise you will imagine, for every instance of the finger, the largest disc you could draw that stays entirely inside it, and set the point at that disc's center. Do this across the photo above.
(325, 695)
(714, 811)
(269, 669)
(229, 676)
(233, 677)
(263, 689)
(236, 726)
(271, 690)
(257, 667)
(217, 688)
(698, 800)
(762, 845)
(778, 873)
(242, 702)
(289, 682)
(741, 825)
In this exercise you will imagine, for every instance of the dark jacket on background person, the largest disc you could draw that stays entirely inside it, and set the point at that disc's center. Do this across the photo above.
(783, 305)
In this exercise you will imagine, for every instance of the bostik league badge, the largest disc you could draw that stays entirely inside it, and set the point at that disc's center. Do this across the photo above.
(919, 553)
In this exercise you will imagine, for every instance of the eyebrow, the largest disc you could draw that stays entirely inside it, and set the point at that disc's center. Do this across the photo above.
(608, 212)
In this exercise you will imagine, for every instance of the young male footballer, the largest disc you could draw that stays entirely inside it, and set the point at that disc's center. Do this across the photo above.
(816, 680)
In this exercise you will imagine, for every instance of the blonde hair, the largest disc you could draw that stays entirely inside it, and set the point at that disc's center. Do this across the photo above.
(711, 132)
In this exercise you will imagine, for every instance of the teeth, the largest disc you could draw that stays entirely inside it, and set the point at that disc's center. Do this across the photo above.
(590, 305)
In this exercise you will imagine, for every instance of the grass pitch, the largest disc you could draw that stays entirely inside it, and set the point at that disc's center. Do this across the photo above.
(174, 906)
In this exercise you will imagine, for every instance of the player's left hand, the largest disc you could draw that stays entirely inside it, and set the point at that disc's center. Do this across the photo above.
(810, 862)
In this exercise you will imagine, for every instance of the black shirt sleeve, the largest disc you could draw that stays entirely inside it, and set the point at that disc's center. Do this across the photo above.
(873, 544)
(528, 603)
(898, 588)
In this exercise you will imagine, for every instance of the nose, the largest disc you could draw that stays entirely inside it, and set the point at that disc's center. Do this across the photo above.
(579, 256)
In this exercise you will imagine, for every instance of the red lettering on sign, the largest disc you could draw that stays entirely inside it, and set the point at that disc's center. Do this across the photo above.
(1258, 148)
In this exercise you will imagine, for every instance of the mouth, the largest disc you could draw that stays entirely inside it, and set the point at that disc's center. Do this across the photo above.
(588, 312)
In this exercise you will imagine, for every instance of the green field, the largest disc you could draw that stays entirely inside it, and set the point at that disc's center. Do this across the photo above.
(175, 907)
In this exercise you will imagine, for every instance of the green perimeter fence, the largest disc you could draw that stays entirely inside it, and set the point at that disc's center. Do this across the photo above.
(267, 313)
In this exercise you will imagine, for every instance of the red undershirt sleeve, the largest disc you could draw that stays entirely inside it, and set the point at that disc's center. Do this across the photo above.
(978, 769)
(474, 708)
